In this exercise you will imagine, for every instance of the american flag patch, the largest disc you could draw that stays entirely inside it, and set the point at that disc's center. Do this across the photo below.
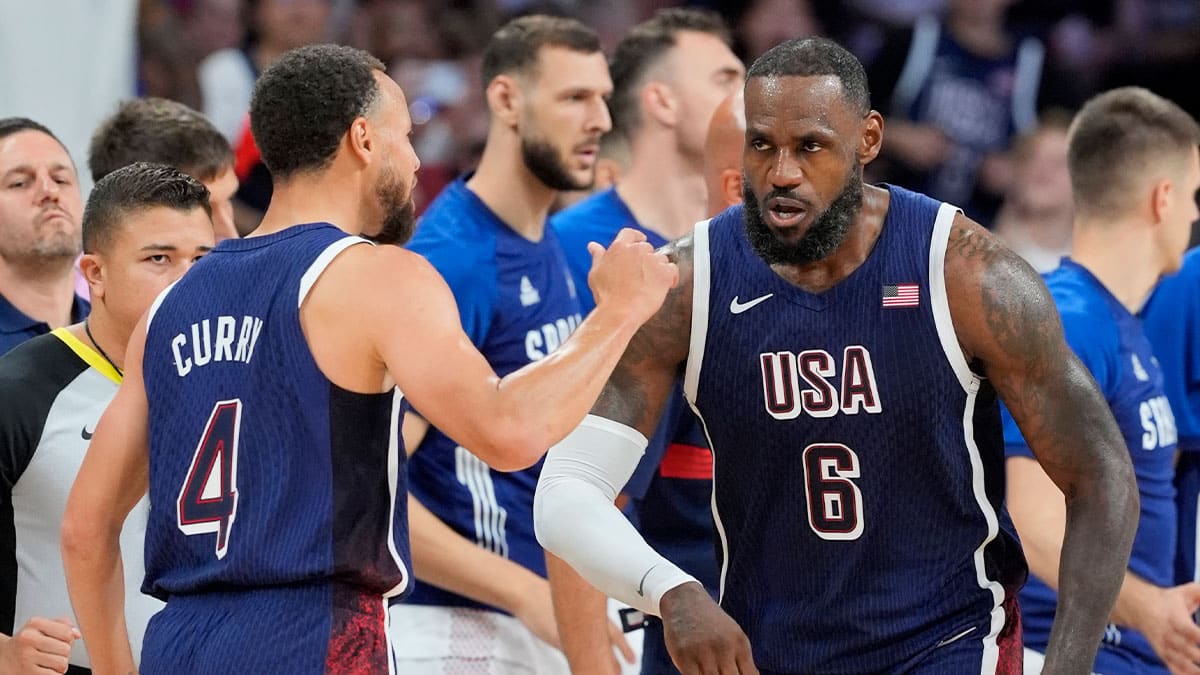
(901, 295)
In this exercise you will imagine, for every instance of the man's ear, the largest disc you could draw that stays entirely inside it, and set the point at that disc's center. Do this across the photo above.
(91, 265)
(872, 138)
(504, 99)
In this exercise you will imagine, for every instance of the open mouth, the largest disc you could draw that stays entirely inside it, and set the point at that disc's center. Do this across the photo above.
(784, 213)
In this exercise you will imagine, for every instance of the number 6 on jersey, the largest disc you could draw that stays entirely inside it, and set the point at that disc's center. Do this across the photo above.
(208, 498)
(835, 509)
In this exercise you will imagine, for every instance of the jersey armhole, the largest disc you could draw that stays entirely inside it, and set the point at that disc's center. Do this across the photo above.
(158, 303)
(322, 262)
(701, 282)
(939, 301)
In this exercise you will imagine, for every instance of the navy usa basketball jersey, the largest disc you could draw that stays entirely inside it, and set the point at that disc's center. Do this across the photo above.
(517, 303)
(263, 473)
(1111, 343)
(858, 476)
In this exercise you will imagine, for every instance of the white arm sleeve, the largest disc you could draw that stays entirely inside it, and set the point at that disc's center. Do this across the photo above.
(576, 520)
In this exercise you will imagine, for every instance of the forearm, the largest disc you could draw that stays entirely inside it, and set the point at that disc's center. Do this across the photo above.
(576, 519)
(1101, 522)
(585, 360)
(1136, 596)
(580, 612)
(96, 584)
(443, 558)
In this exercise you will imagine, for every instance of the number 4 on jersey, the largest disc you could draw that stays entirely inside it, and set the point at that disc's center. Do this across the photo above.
(208, 499)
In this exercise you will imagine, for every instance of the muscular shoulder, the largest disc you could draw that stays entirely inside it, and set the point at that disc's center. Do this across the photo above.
(998, 303)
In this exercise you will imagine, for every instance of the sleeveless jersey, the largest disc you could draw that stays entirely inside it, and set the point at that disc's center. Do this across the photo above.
(517, 303)
(858, 478)
(1172, 323)
(262, 471)
(1111, 343)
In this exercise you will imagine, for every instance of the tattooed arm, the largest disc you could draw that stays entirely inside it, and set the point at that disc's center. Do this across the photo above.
(1009, 330)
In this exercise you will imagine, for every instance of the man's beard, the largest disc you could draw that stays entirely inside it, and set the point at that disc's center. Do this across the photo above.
(399, 212)
(544, 163)
(823, 237)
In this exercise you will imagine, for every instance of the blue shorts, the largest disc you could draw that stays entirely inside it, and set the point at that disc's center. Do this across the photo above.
(312, 628)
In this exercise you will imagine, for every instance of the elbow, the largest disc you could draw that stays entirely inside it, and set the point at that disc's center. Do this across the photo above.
(514, 447)
(76, 538)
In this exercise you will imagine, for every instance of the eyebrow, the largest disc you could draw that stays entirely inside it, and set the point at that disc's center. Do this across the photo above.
(25, 168)
(171, 248)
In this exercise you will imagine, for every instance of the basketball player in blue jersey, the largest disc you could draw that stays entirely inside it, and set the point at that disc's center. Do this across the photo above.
(473, 541)
(1135, 171)
(1172, 323)
(263, 396)
(144, 225)
(844, 346)
(669, 74)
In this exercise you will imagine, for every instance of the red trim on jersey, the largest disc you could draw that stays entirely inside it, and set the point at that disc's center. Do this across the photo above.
(1009, 644)
(357, 632)
(686, 461)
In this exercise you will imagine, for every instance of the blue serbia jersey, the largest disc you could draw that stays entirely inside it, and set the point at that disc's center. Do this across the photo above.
(1110, 342)
(858, 461)
(517, 303)
(1173, 326)
(262, 471)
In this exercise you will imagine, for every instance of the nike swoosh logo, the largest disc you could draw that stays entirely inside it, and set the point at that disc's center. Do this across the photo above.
(87, 436)
(736, 307)
(642, 583)
(955, 638)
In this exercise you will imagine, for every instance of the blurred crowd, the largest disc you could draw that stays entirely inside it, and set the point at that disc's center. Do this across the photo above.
(959, 81)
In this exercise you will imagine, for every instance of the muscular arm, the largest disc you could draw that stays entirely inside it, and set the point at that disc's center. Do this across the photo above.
(1008, 327)
(510, 422)
(111, 480)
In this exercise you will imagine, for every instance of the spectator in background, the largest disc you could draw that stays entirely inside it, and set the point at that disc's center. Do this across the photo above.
(40, 209)
(763, 24)
(166, 132)
(960, 87)
(1035, 218)
(227, 76)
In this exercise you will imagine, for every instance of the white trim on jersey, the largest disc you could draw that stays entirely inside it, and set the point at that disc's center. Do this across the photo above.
(393, 469)
(315, 270)
(490, 517)
(701, 286)
(970, 383)
(701, 273)
(158, 303)
(937, 293)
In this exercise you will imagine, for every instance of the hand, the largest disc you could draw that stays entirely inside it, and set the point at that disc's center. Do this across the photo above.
(40, 647)
(1169, 627)
(631, 273)
(700, 636)
(536, 611)
(616, 636)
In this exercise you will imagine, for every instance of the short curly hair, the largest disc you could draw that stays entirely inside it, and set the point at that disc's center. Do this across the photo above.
(306, 101)
(814, 56)
(161, 131)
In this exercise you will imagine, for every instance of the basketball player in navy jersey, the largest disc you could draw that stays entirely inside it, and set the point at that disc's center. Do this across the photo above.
(669, 74)
(263, 396)
(1135, 171)
(844, 346)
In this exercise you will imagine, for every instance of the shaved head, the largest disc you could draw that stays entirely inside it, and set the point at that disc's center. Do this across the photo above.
(723, 153)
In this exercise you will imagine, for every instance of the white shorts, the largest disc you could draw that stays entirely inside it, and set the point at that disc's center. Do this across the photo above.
(455, 641)
(458, 641)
